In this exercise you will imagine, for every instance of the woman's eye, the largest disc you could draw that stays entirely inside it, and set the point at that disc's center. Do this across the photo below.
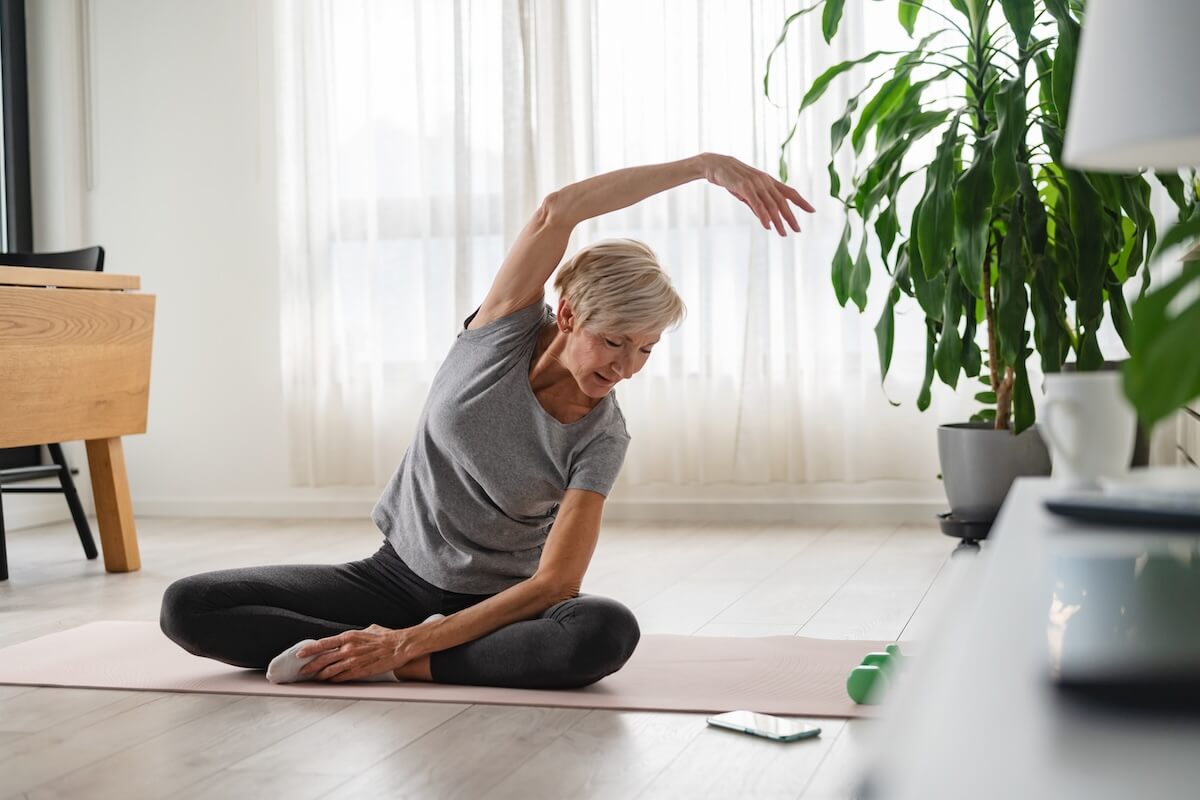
(611, 343)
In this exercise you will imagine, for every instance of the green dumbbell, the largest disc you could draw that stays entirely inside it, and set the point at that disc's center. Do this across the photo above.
(883, 660)
(870, 678)
(866, 684)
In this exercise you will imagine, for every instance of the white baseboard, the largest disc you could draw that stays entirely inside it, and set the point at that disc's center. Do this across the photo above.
(871, 503)
(821, 512)
(31, 510)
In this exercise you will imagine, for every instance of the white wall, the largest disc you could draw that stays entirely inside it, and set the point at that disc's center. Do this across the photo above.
(153, 136)
(179, 189)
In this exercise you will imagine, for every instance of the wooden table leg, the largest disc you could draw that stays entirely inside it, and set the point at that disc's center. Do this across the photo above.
(114, 509)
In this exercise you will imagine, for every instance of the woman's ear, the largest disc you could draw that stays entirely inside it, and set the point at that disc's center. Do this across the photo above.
(565, 316)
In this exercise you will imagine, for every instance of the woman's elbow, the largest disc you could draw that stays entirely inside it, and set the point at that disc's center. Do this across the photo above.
(555, 210)
(557, 590)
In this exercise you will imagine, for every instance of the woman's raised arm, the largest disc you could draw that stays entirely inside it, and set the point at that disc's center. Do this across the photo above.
(541, 244)
(766, 197)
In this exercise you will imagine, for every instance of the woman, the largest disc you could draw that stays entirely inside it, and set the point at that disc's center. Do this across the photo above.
(492, 517)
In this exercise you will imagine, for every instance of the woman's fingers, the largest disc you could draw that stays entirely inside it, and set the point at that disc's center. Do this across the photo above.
(786, 210)
(769, 202)
(796, 198)
(753, 207)
(321, 645)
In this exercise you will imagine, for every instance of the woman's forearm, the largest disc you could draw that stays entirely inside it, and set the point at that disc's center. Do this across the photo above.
(623, 187)
(523, 601)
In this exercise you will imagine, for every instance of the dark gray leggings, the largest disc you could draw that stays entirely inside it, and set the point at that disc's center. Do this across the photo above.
(245, 617)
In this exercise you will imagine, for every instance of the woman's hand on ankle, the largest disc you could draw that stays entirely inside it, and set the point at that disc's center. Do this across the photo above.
(357, 655)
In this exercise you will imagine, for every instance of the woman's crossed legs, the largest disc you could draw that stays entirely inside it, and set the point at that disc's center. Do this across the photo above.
(246, 617)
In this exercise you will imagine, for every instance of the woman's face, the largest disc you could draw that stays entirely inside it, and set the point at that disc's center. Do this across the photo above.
(599, 360)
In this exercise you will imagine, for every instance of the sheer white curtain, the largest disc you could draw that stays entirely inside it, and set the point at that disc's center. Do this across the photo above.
(417, 137)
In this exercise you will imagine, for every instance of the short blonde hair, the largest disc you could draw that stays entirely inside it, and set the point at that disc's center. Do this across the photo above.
(618, 286)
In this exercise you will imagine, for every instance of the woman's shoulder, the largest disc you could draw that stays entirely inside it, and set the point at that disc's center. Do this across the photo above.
(493, 312)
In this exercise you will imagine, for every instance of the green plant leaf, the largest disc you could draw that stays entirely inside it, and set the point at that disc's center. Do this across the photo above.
(1135, 199)
(1034, 221)
(885, 332)
(972, 217)
(887, 98)
(1163, 371)
(924, 396)
(1063, 72)
(1010, 138)
(1022, 397)
(842, 265)
(929, 291)
(831, 18)
(1087, 220)
(880, 179)
(787, 23)
(839, 129)
(886, 228)
(908, 14)
(935, 228)
(837, 135)
(1020, 15)
(1119, 311)
(1175, 188)
(948, 356)
(972, 356)
(860, 276)
(1050, 330)
(1180, 232)
(1087, 352)
(821, 84)
(1012, 306)
(986, 397)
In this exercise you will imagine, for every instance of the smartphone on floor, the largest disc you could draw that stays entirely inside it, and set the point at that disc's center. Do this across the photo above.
(781, 729)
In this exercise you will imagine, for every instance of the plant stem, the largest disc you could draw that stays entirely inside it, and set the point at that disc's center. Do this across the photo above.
(1004, 400)
(989, 308)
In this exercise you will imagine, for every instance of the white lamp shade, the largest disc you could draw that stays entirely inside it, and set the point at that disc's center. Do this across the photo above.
(1136, 96)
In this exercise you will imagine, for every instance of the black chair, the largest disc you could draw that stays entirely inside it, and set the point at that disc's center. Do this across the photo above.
(25, 463)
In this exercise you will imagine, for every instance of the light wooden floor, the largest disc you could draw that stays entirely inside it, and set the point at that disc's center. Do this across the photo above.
(753, 580)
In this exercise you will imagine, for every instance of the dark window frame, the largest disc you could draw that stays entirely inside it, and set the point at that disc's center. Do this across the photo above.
(14, 89)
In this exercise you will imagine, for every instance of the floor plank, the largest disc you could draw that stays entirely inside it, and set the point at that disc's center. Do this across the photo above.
(720, 763)
(380, 728)
(807, 580)
(607, 754)
(433, 766)
(244, 783)
(191, 752)
(877, 601)
(88, 739)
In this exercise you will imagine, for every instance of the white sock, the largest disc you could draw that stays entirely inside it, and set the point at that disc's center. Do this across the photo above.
(285, 667)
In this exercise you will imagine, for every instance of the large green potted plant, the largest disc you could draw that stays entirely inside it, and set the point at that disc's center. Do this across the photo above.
(1003, 240)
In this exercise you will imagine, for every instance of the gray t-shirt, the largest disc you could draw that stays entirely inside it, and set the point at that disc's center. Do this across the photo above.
(474, 497)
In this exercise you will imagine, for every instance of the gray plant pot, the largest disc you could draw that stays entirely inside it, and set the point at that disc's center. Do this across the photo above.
(979, 464)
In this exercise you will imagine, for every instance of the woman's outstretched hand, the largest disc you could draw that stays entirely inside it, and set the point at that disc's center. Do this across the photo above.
(766, 197)
(355, 655)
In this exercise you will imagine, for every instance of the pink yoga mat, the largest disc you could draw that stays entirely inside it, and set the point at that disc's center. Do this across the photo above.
(786, 675)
